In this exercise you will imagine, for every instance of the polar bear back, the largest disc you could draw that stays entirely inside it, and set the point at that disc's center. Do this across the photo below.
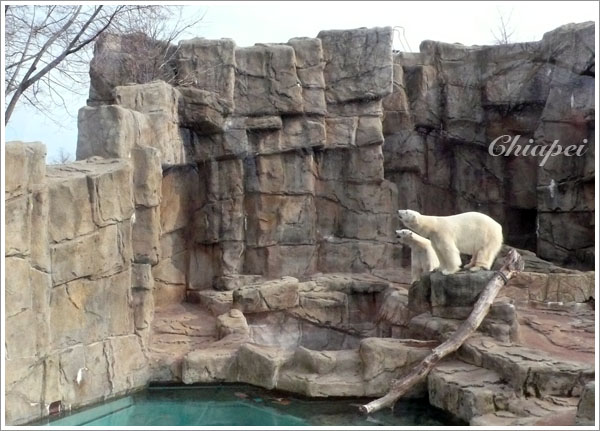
(471, 229)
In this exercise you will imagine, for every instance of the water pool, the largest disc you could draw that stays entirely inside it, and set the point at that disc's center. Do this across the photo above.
(243, 405)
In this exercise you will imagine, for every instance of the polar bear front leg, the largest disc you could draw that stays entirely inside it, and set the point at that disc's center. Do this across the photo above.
(448, 255)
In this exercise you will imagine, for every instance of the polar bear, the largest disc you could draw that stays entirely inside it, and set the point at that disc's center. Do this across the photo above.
(422, 255)
(470, 233)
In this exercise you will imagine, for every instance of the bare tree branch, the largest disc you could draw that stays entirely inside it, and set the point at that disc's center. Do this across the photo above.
(505, 32)
(48, 48)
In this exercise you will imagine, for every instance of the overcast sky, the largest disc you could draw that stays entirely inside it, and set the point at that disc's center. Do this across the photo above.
(469, 23)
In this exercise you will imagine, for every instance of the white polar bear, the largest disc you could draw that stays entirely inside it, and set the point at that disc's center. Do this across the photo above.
(422, 255)
(470, 233)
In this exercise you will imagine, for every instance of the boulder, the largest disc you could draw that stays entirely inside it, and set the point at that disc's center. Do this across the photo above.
(358, 64)
(266, 82)
(26, 163)
(208, 65)
(267, 296)
(111, 131)
(454, 295)
(214, 364)
(586, 413)
(235, 281)
(147, 176)
(219, 303)
(103, 252)
(232, 322)
(260, 365)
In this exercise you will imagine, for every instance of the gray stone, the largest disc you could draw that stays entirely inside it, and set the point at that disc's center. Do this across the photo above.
(141, 276)
(451, 388)
(146, 235)
(266, 81)
(18, 225)
(103, 252)
(235, 281)
(143, 308)
(218, 303)
(202, 111)
(216, 364)
(147, 176)
(586, 413)
(69, 221)
(453, 295)
(232, 322)
(111, 131)
(358, 63)
(267, 296)
(208, 65)
(282, 260)
(25, 162)
(323, 308)
(260, 365)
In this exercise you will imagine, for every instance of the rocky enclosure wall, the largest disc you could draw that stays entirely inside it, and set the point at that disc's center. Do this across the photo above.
(69, 321)
(451, 101)
(272, 160)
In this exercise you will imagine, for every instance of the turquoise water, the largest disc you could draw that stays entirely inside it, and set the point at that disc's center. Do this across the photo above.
(243, 405)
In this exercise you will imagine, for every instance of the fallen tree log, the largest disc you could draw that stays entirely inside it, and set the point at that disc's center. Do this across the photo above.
(513, 263)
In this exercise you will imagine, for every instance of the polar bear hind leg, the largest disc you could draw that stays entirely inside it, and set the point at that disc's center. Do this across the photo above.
(486, 256)
(448, 255)
(473, 261)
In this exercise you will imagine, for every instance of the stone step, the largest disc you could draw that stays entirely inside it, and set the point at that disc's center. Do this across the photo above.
(337, 384)
(428, 327)
(327, 361)
(466, 390)
(483, 397)
(529, 372)
(532, 412)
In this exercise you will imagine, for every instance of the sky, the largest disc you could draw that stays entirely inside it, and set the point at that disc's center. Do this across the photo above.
(247, 23)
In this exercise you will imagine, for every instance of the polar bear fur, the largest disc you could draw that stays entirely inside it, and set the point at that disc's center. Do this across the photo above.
(422, 255)
(470, 233)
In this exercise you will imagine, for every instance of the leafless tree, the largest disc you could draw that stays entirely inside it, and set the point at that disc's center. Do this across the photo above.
(48, 47)
(504, 32)
(62, 157)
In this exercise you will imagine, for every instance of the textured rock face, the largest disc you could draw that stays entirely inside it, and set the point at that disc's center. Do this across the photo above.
(73, 302)
(448, 105)
(282, 146)
(262, 172)
(586, 414)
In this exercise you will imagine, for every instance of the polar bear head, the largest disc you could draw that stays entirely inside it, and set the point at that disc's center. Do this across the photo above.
(408, 217)
(404, 235)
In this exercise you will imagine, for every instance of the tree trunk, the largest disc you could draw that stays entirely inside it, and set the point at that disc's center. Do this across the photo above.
(513, 263)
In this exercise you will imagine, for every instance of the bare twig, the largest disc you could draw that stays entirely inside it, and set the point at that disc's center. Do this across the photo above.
(50, 45)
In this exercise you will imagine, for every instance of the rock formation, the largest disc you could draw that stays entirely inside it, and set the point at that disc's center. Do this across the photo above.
(451, 101)
(231, 217)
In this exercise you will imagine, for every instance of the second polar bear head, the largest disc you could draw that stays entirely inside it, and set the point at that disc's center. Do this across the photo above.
(404, 235)
(408, 217)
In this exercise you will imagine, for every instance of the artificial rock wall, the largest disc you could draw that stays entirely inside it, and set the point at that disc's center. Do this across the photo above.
(451, 101)
(271, 158)
(70, 326)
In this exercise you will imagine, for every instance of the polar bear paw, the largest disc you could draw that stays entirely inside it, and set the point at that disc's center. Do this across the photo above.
(449, 271)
